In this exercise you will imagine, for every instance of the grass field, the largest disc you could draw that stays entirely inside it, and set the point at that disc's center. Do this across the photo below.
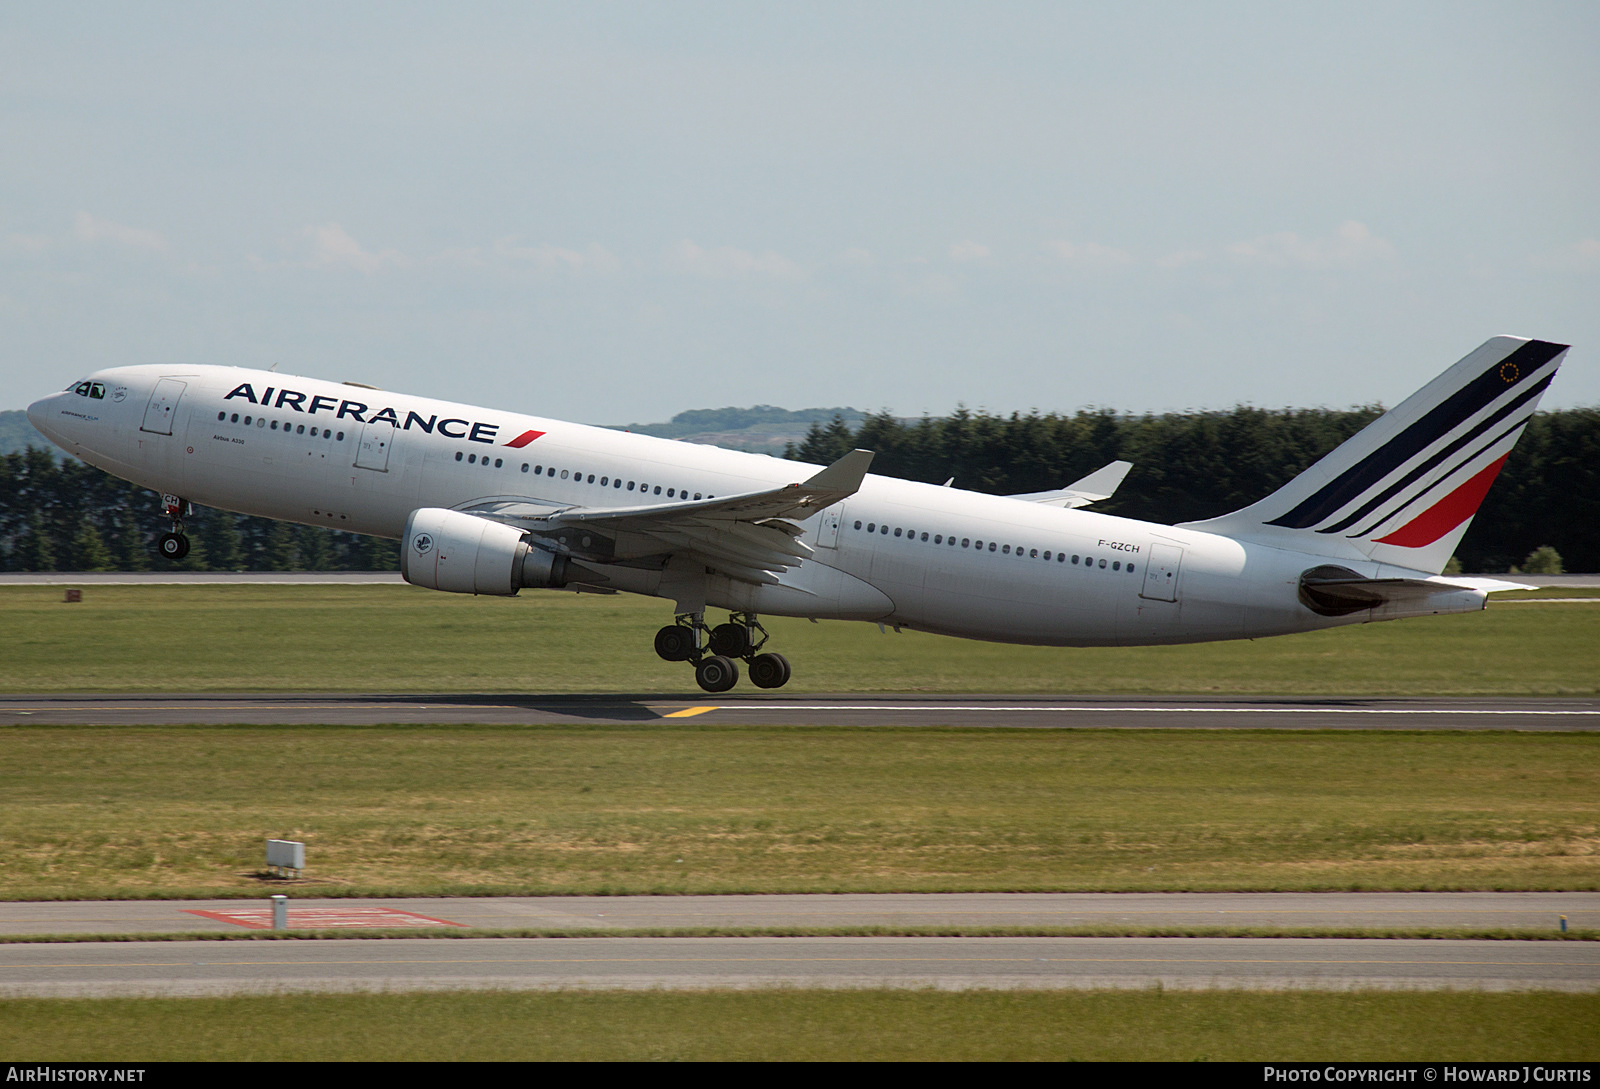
(402, 639)
(139, 811)
(811, 1025)
(674, 807)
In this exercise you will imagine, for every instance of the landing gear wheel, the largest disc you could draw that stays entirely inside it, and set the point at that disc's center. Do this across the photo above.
(730, 640)
(675, 643)
(173, 546)
(769, 671)
(716, 673)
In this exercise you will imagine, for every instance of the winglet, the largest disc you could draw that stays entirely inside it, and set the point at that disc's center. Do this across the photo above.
(843, 477)
(1098, 485)
(1103, 482)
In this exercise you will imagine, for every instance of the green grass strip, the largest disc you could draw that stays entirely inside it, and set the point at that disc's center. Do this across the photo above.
(404, 639)
(811, 1025)
(169, 812)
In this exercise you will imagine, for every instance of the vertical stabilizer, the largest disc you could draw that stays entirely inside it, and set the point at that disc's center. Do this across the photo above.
(1404, 489)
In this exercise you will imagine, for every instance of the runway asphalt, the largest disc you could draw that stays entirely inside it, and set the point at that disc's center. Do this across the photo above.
(1534, 912)
(185, 968)
(1183, 712)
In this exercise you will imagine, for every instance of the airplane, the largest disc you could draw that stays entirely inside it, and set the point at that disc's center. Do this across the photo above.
(487, 501)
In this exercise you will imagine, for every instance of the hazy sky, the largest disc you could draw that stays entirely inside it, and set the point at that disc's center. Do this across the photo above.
(614, 212)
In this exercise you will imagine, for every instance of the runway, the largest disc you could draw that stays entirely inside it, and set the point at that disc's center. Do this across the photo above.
(186, 968)
(1181, 712)
(1532, 912)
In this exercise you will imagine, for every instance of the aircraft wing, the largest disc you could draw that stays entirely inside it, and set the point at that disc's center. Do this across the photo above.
(1098, 485)
(745, 536)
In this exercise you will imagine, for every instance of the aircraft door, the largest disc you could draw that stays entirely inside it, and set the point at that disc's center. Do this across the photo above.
(1161, 573)
(373, 453)
(163, 406)
(828, 526)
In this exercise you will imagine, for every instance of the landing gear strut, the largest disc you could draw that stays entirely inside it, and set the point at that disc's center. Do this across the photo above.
(714, 650)
(174, 545)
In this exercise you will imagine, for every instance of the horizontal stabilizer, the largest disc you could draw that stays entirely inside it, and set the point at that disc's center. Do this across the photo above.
(1100, 484)
(1331, 590)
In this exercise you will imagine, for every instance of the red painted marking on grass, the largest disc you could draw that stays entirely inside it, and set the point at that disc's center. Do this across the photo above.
(324, 918)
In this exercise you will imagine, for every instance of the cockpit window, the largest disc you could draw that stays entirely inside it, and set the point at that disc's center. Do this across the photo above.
(81, 389)
(97, 391)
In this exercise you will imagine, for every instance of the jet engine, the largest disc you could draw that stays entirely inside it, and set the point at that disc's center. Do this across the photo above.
(464, 554)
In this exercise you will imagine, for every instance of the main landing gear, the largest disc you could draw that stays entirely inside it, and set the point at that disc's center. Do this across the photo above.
(714, 650)
(174, 545)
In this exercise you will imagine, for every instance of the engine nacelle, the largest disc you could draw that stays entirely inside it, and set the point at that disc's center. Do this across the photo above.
(465, 554)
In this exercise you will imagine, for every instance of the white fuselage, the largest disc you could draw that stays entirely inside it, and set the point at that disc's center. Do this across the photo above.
(935, 559)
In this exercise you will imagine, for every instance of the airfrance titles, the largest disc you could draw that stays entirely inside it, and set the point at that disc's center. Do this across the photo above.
(341, 409)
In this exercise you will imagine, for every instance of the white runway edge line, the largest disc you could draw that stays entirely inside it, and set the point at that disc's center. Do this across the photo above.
(1163, 710)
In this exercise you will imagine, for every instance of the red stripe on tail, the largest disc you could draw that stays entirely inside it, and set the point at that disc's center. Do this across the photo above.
(1447, 513)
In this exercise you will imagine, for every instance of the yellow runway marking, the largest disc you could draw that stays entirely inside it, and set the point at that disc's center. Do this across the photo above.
(688, 712)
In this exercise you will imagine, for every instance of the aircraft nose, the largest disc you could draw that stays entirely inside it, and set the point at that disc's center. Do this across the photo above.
(39, 414)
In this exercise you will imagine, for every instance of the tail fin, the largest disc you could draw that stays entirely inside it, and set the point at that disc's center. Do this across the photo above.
(1404, 489)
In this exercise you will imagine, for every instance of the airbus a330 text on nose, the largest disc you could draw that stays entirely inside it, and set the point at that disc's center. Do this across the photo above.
(486, 501)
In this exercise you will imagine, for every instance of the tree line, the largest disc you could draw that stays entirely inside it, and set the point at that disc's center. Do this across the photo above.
(1194, 465)
(68, 516)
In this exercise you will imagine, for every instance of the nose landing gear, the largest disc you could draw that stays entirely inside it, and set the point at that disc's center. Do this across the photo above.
(174, 545)
(714, 650)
